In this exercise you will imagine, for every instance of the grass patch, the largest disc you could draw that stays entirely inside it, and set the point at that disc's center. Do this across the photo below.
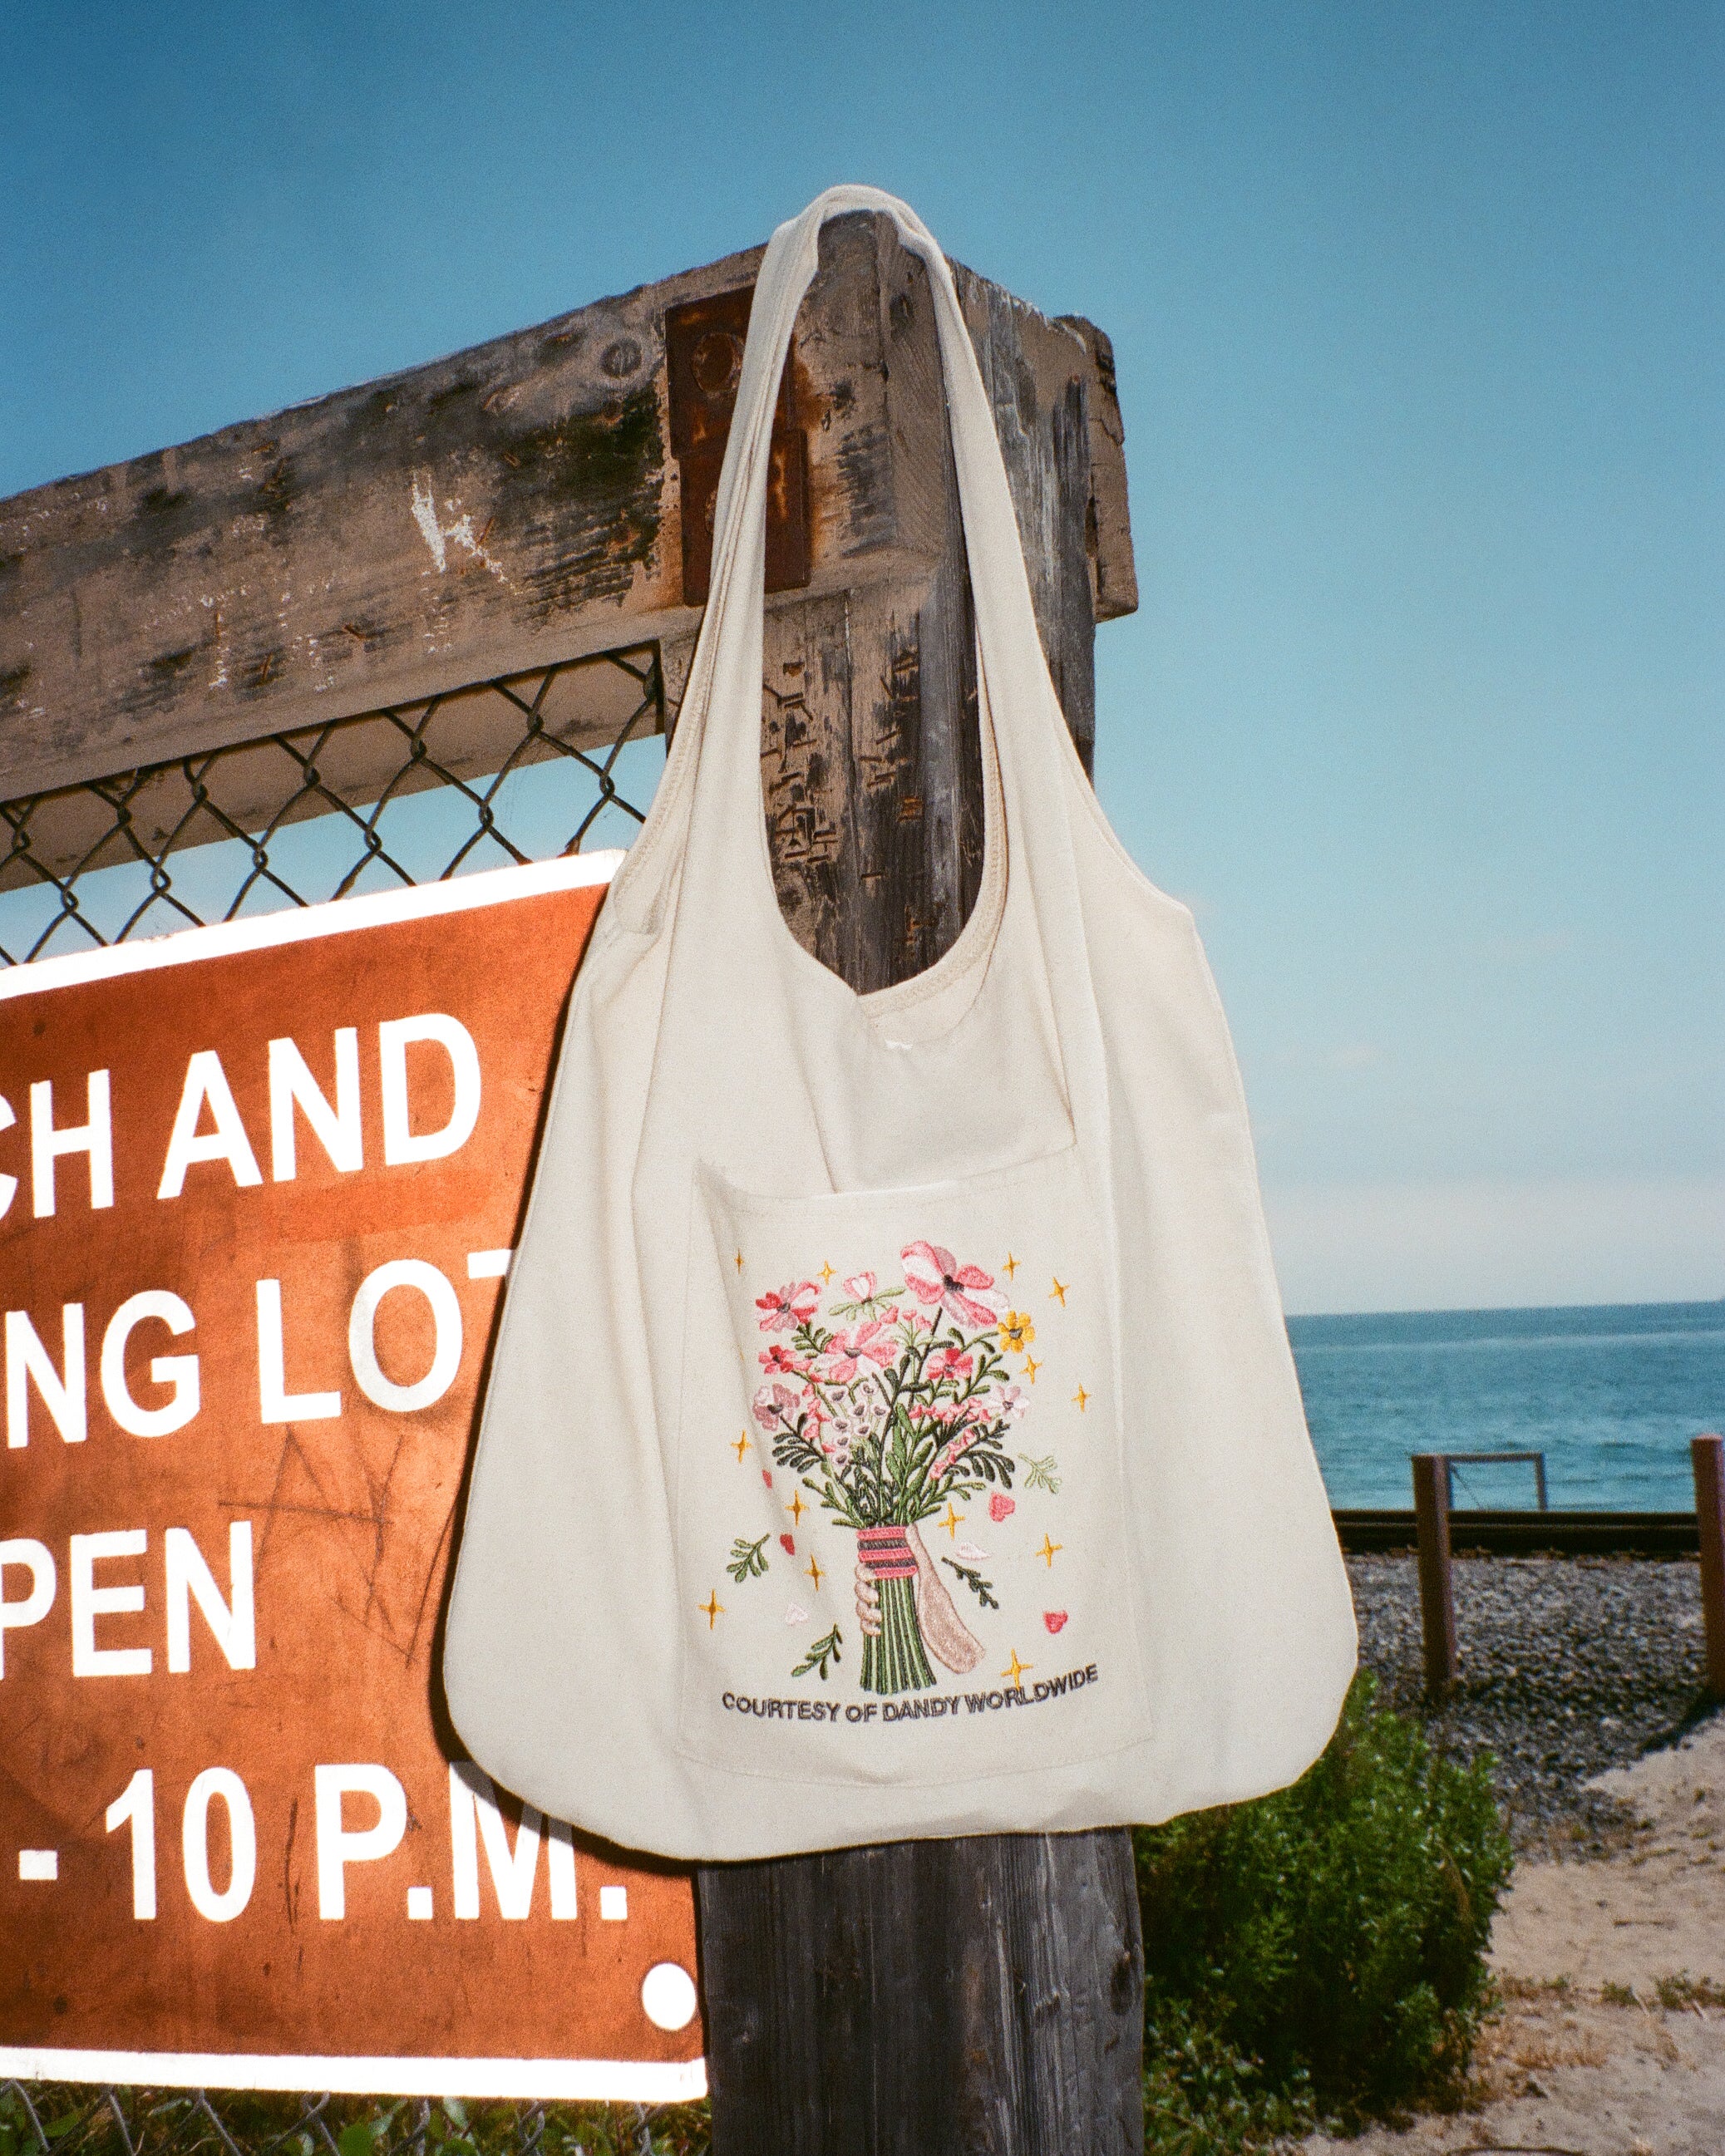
(1676, 1993)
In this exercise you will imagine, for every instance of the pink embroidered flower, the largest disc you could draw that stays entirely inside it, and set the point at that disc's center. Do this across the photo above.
(779, 1360)
(965, 1292)
(1054, 1619)
(1014, 1404)
(775, 1405)
(860, 1287)
(947, 1363)
(951, 1454)
(787, 1308)
(1001, 1507)
(871, 1342)
(787, 1544)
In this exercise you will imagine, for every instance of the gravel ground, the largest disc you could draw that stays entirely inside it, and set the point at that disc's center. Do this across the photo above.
(1568, 1666)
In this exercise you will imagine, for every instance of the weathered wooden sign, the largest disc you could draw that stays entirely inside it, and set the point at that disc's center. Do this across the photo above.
(257, 1189)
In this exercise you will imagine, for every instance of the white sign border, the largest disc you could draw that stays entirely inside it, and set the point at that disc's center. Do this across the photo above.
(567, 2081)
(303, 924)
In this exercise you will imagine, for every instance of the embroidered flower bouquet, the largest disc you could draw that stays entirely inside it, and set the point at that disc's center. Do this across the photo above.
(898, 1402)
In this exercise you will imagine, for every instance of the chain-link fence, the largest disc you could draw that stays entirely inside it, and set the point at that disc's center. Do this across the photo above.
(522, 768)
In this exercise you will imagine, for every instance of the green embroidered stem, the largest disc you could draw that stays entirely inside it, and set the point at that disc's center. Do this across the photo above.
(894, 1659)
(831, 1649)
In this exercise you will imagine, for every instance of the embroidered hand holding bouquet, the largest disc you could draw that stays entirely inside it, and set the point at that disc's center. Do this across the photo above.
(897, 1407)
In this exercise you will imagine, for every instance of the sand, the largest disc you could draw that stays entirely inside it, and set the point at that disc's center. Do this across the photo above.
(1612, 2038)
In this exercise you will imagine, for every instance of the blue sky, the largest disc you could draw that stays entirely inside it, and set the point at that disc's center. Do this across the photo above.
(1418, 319)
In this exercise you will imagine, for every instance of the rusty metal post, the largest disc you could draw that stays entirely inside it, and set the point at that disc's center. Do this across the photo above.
(1437, 1589)
(1708, 1455)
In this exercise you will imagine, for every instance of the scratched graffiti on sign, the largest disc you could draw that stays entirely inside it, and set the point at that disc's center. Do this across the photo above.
(258, 1190)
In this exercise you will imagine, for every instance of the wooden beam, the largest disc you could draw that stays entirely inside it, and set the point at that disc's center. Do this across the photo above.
(509, 507)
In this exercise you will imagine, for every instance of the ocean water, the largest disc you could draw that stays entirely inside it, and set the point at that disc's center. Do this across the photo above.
(1611, 1395)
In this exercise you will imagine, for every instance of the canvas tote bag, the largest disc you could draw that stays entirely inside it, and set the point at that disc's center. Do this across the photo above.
(892, 1430)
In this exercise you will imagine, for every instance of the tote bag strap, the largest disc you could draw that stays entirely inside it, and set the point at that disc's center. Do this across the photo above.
(718, 819)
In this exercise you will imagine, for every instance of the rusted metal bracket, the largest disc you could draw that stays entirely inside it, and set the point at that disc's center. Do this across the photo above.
(703, 351)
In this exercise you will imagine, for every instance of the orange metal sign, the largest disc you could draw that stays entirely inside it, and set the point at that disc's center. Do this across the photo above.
(257, 1189)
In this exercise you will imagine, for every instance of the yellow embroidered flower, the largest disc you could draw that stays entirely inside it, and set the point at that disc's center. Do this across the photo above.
(1016, 1331)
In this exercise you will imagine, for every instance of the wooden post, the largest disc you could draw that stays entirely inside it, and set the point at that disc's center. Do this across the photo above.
(1437, 1590)
(985, 1992)
(1708, 1455)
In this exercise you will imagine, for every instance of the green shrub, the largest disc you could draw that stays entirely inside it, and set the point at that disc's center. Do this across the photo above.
(1203, 2097)
(1322, 1950)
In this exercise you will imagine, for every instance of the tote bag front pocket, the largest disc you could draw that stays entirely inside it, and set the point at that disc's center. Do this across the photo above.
(900, 1519)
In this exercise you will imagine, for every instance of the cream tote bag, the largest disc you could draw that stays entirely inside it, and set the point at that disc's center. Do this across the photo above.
(892, 1430)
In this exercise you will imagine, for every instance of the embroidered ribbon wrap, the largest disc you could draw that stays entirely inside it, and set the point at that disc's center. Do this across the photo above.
(883, 1552)
(981, 1254)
